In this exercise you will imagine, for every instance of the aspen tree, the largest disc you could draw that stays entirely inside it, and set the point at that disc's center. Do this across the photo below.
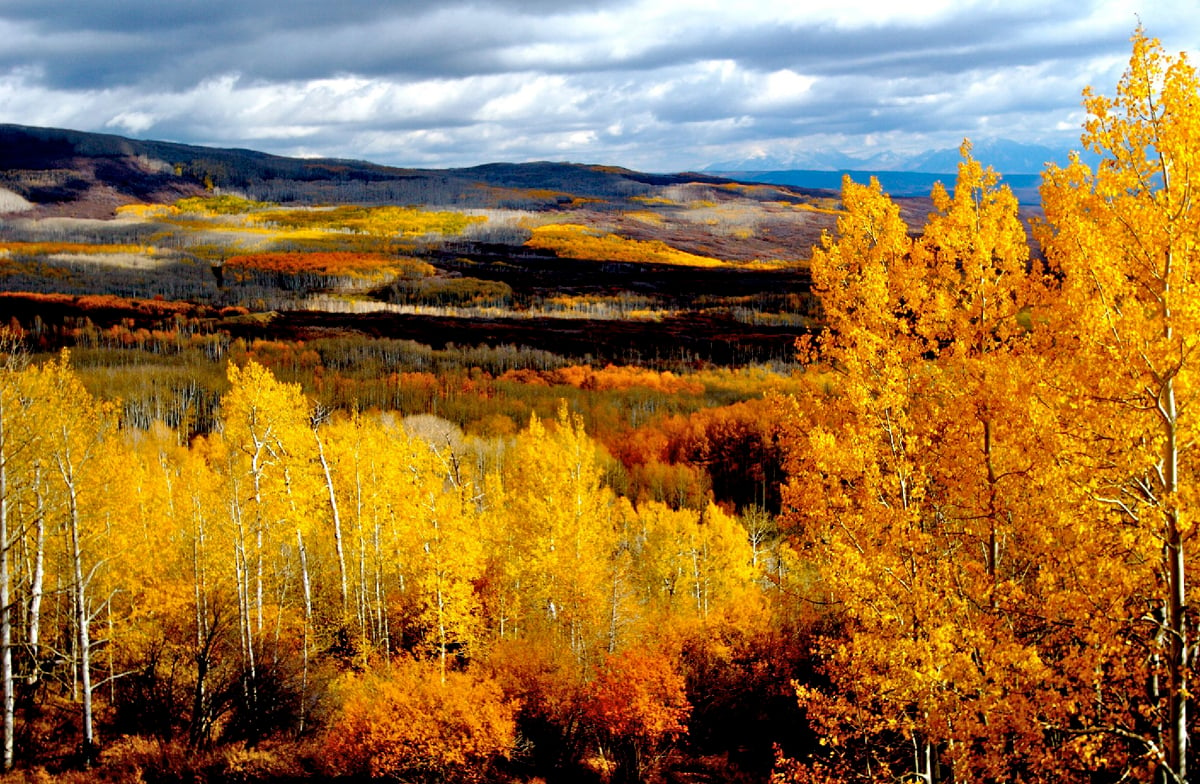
(317, 420)
(561, 531)
(17, 436)
(903, 479)
(448, 551)
(74, 426)
(267, 426)
(1125, 238)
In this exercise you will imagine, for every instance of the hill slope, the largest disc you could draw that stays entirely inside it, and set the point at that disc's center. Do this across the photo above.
(88, 174)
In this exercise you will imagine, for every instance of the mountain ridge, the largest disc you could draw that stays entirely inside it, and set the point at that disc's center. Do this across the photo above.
(1004, 155)
(62, 171)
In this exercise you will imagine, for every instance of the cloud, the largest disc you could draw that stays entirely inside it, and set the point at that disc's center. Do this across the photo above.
(655, 84)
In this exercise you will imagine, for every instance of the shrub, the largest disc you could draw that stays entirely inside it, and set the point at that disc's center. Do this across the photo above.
(638, 706)
(406, 723)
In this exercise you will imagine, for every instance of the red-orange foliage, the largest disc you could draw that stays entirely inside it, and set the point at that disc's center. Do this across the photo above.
(609, 377)
(156, 307)
(328, 263)
(638, 695)
(638, 704)
(548, 685)
(405, 723)
(736, 444)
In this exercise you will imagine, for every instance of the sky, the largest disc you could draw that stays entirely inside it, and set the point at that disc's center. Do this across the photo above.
(655, 85)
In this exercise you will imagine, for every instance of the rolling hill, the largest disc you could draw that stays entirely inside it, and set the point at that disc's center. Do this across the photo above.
(88, 175)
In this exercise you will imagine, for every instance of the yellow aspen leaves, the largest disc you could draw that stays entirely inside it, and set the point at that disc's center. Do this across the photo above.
(998, 485)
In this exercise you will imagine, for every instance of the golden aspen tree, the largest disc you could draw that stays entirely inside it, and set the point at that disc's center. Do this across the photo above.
(988, 454)
(688, 562)
(383, 498)
(558, 534)
(445, 551)
(361, 464)
(858, 481)
(17, 436)
(317, 420)
(204, 539)
(905, 482)
(500, 593)
(275, 490)
(169, 609)
(1124, 238)
(33, 546)
(662, 564)
(75, 427)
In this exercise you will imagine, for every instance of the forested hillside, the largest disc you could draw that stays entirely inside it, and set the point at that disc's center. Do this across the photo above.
(617, 482)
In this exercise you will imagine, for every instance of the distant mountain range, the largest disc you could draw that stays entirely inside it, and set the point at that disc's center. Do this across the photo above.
(898, 184)
(1005, 156)
(1020, 166)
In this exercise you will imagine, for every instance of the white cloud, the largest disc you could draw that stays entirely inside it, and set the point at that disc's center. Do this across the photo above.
(783, 87)
(656, 84)
(132, 122)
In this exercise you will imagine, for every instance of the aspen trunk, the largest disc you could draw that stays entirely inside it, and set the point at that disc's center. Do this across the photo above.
(361, 601)
(381, 616)
(337, 522)
(1177, 631)
(199, 724)
(36, 590)
(245, 622)
(258, 540)
(307, 623)
(83, 634)
(6, 668)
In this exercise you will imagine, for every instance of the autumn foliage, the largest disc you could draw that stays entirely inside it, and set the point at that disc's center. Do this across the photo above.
(385, 220)
(329, 263)
(408, 597)
(575, 241)
(997, 484)
(957, 547)
(606, 378)
(635, 704)
(49, 248)
(404, 722)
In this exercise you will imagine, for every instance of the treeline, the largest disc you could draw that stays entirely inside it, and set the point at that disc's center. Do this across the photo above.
(299, 593)
(679, 439)
(676, 437)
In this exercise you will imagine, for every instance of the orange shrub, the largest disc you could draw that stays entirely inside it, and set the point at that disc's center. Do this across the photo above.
(638, 704)
(150, 307)
(610, 377)
(639, 695)
(405, 723)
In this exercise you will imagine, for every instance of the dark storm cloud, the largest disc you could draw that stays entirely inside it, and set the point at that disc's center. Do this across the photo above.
(83, 44)
(659, 83)
(92, 45)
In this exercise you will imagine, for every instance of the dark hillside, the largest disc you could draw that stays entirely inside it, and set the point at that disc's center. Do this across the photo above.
(66, 172)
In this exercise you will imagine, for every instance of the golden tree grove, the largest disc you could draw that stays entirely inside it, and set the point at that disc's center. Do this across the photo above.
(997, 487)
